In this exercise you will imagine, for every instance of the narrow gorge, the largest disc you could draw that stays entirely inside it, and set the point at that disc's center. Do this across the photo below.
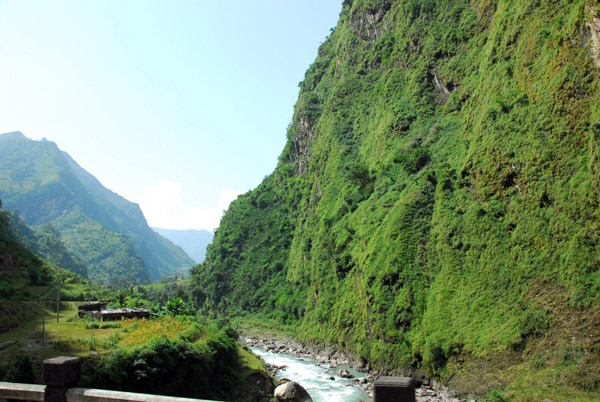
(435, 209)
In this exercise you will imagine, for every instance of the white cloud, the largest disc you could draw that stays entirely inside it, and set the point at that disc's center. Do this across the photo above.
(163, 208)
(226, 197)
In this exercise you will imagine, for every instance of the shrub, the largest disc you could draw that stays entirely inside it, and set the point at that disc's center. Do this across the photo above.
(107, 325)
(167, 367)
(21, 370)
(495, 396)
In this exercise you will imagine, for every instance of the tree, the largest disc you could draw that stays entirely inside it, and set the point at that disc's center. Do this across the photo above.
(175, 306)
(121, 298)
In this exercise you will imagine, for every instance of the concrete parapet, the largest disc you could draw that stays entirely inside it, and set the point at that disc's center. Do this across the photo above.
(60, 374)
(101, 395)
(27, 392)
(394, 389)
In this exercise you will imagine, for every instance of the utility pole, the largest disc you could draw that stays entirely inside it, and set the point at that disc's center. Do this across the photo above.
(57, 300)
(43, 326)
(90, 297)
(41, 300)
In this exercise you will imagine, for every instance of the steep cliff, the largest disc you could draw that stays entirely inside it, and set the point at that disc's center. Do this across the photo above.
(436, 204)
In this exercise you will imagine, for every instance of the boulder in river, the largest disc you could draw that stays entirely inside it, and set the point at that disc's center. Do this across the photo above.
(292, 392)
(345, 374)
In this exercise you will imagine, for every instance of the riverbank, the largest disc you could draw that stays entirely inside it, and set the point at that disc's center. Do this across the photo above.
(323, 382)
(427, 390)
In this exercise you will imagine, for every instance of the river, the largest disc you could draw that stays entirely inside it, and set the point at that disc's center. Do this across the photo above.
(316, 377)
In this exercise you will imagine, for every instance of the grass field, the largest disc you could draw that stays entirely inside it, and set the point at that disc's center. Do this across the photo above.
(81, 337)
(69, 336)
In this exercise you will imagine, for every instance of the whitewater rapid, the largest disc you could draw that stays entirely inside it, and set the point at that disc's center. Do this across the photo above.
(316, 377)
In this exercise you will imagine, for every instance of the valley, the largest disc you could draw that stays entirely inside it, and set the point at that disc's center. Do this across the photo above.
(434, 213)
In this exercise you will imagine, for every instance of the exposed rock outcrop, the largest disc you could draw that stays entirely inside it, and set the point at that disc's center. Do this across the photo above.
(369, 24)
(593, 24)
(303, 138)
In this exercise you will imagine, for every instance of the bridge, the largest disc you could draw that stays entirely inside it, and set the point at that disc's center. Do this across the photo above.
(61, 375)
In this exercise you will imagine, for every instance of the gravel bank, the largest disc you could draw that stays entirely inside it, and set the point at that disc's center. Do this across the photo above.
(426, 391)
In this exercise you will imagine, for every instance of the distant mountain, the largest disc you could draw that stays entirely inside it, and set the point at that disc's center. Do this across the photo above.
(18, 265)
(45, 242)
(193, 242)
(100, 228)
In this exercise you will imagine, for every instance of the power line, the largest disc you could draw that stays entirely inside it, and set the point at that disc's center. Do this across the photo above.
(41, 299)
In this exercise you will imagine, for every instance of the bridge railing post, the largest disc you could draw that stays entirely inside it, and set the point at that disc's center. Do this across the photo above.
(394, 389)
(60, 374)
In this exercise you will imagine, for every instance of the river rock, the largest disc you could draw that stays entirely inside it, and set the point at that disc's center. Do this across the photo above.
(345, 374)
(261, 382)
(292, 392)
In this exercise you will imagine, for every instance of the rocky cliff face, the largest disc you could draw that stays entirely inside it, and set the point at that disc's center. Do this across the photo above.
(435, 205)
(591, 34)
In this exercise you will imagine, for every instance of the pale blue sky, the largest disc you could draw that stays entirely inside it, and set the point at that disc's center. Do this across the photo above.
(176, 105)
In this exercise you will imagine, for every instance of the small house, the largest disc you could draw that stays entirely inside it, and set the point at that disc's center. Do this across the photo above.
(90, 308)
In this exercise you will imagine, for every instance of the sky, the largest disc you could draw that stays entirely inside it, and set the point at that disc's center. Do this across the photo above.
(177, 105)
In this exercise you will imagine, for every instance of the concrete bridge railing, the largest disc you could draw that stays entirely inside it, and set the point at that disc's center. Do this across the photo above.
(61, 375)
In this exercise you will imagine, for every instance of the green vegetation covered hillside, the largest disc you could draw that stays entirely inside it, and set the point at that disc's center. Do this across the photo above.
(44, 242)
(25, 277)
(18, 266)
(436, 206)
(64, 203)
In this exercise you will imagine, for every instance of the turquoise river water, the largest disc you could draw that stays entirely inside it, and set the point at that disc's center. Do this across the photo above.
(316, 378)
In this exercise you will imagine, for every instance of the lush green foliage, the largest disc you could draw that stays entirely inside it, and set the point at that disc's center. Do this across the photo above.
(24, 276)
(203, 364)
(233, 282)
(175, 307)
(156, 297)
(437, 201)
(45, 242)
(18, 264)
(21, 370)
(69, 208)
(166, 355)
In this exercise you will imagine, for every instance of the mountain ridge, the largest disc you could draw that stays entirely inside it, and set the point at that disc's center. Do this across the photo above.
(46, 186)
